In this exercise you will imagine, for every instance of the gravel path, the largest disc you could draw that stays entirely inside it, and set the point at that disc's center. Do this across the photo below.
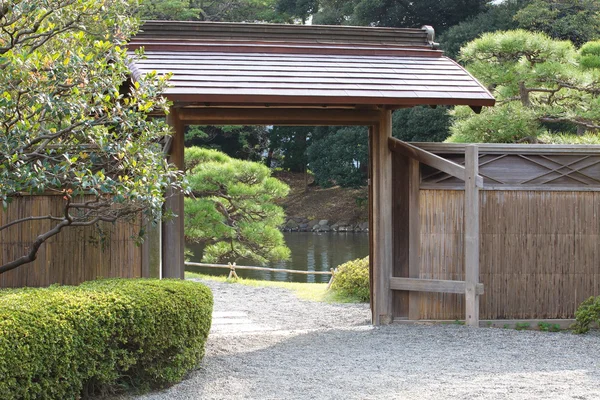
(268, 344)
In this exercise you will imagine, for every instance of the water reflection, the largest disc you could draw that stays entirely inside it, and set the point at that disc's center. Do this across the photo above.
(310, 252)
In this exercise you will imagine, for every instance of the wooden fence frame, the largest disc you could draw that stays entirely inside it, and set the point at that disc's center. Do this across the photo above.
(471, 287)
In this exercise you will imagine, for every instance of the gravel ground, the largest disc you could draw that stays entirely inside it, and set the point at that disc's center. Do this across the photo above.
(268, 344)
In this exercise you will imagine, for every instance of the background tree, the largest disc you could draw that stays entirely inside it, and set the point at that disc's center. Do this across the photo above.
(441, 14)
(340, 157)
(421, 124)
(544, 90)
(211, 10)
(232, 208)
(574, 20)
(497, 17)
(242, 142)
(288, 144)
(70, 124)
(301, 9)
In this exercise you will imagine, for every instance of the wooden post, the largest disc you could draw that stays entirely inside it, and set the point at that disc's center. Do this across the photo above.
(172, 231)
(382, 249)
(371, 247)
(471, 218)
(414, 234)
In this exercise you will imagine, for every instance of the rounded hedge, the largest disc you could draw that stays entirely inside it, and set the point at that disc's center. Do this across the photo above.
(352, 279)
(63, 342)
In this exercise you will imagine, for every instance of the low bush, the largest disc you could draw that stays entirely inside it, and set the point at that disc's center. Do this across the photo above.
(587, 314)
(352, 279)
(65, 342)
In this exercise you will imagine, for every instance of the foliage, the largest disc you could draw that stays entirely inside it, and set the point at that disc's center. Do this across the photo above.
(522, 326)
(340, 158)
(421, 124)
(289, 144)
(548, 327)
(243, 142)
(497, 17)
(587, 314)
(210, 10)
(352, 279)
(232, 208)
(589, 55)
(441, 14)
(541, 89)
(574, 20)
(64, 341)
(71, 124)
(301, 9)
(334, 12)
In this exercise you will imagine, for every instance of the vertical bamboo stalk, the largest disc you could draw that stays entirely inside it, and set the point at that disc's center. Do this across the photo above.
(414, 238)
(471, 218)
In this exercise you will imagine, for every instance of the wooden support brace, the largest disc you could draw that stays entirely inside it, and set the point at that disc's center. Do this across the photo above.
(432, 285)
(433, 160)
(471, 221)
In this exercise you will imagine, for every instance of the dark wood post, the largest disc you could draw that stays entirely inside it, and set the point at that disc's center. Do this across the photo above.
(382, 248)
(471, 218)
(172, 230)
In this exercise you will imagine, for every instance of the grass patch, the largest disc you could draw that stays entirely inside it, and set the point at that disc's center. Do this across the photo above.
(305, 291)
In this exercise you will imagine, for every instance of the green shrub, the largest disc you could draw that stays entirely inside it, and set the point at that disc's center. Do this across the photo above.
(587, 314)
(63, 342)
(352, 279)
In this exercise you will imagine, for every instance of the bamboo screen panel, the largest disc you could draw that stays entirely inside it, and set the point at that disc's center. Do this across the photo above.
(538, 252)
(72, 256)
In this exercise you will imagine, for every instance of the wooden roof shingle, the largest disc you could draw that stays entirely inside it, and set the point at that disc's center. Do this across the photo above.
(230, 63)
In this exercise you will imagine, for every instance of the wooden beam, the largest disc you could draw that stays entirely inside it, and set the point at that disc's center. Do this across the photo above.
(433, 160)
(414, 234)
(279, 116)
(432, 285)
(471, 232)
(382, 251)
(173, 245)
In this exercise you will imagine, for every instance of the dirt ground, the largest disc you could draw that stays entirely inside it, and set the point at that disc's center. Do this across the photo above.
(315, 203)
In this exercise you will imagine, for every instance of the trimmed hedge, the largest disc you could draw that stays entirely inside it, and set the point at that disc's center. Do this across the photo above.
(352, 279)
(63, 342)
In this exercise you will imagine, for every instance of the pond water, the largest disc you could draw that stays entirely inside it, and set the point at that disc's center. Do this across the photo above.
(310, 252)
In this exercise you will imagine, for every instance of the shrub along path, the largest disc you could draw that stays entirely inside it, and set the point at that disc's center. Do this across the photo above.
(267, 344)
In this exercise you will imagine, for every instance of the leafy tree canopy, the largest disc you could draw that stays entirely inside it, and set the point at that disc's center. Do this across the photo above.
(211, 10)
(289, 144)
(70, 124)
(242, 142)
(232, 208)
(421, 124)
(441, 14)
(574, 20)
(340, 157)
(545, 89)
(301, 9)
(497, 17)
